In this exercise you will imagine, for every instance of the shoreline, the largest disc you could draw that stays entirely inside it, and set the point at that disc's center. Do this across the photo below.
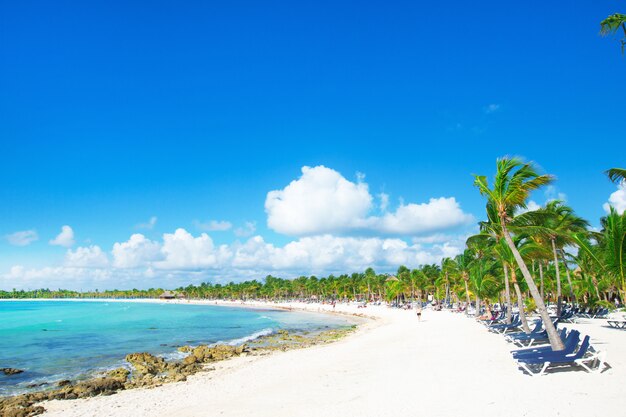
(389, 366)
(260, 345)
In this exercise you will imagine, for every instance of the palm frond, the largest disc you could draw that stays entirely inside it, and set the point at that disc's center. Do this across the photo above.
(616, 175)
(612, 23)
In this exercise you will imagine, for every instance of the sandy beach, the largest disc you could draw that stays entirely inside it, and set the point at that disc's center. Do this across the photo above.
(446, 365)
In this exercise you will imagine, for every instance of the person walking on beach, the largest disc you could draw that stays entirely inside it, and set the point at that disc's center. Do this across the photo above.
(418, 312)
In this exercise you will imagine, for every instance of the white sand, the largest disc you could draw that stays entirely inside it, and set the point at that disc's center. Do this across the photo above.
(447, 365)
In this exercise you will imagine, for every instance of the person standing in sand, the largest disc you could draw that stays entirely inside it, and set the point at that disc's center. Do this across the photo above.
(418, 312)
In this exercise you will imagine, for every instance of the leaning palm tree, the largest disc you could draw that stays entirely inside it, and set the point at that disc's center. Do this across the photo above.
(514, 181)
(612, 24)
(617, 175)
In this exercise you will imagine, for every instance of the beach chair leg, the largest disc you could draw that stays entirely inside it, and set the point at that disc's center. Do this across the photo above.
(526, 368)
(601, 358)
(581, 362)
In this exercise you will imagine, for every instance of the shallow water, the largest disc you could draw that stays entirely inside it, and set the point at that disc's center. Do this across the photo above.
(54, 340)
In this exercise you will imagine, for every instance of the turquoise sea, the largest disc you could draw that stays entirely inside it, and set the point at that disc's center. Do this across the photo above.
(55, 340)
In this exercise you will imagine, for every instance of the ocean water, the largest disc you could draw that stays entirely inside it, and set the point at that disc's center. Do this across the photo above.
(55, 340)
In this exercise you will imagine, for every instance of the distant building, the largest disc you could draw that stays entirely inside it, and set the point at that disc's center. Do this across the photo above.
(171, 295)
(167, 295)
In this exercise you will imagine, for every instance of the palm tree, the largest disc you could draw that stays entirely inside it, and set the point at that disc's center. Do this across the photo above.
(559, 224)
(616, 175)
(610, 252)
(447, 268)
(508, 264)
(462, 270)
(481, 267)
(612, 24)
(492, 228)
(513, 183)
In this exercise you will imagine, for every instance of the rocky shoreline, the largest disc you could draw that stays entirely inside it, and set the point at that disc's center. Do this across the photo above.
(147, 371)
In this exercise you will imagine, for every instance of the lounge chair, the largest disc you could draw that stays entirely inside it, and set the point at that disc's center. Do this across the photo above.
(617, 324)
(502, 327)
(525, 340)
(584, 357)
(570, 341)
(602, 313)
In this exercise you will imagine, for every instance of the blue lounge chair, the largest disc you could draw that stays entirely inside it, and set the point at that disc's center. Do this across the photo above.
(570, 341)
(502, 328)
(586, 358)
(527, 340)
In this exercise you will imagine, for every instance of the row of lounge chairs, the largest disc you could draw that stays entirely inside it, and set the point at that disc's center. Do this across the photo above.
(615, 320)
(571, 315)
(535, 355)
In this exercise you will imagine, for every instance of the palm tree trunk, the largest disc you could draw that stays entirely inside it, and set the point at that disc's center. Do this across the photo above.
(569, 280)
(555, 341)
(467, 296)
(477, 312)
(520, 302)
(558, 280)
(595, 285)
(541, 277)
(507, 294)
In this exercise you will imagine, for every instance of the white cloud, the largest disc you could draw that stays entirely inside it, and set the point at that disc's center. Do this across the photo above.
(384, 201)
(492, 108)
(552, 193)
(183, 251)
(136, 251)
(438, 214)
(86, 257)
(65, 238)
(246, 230)
(22, 238)
(214, 225)
(60, 277)
(322, 201)
(315, 207)
(430, 239)
(531, 206)
(149, 225)
(617, 199)
(182, 258)
(327, 254)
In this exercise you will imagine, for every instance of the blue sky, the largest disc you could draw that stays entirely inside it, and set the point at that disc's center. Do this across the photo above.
(113, 113)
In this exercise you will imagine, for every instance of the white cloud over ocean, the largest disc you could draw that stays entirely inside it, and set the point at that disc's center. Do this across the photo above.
(337, 226)
(180, 256)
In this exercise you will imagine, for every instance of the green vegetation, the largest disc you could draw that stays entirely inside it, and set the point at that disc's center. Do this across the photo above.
(612, 24)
